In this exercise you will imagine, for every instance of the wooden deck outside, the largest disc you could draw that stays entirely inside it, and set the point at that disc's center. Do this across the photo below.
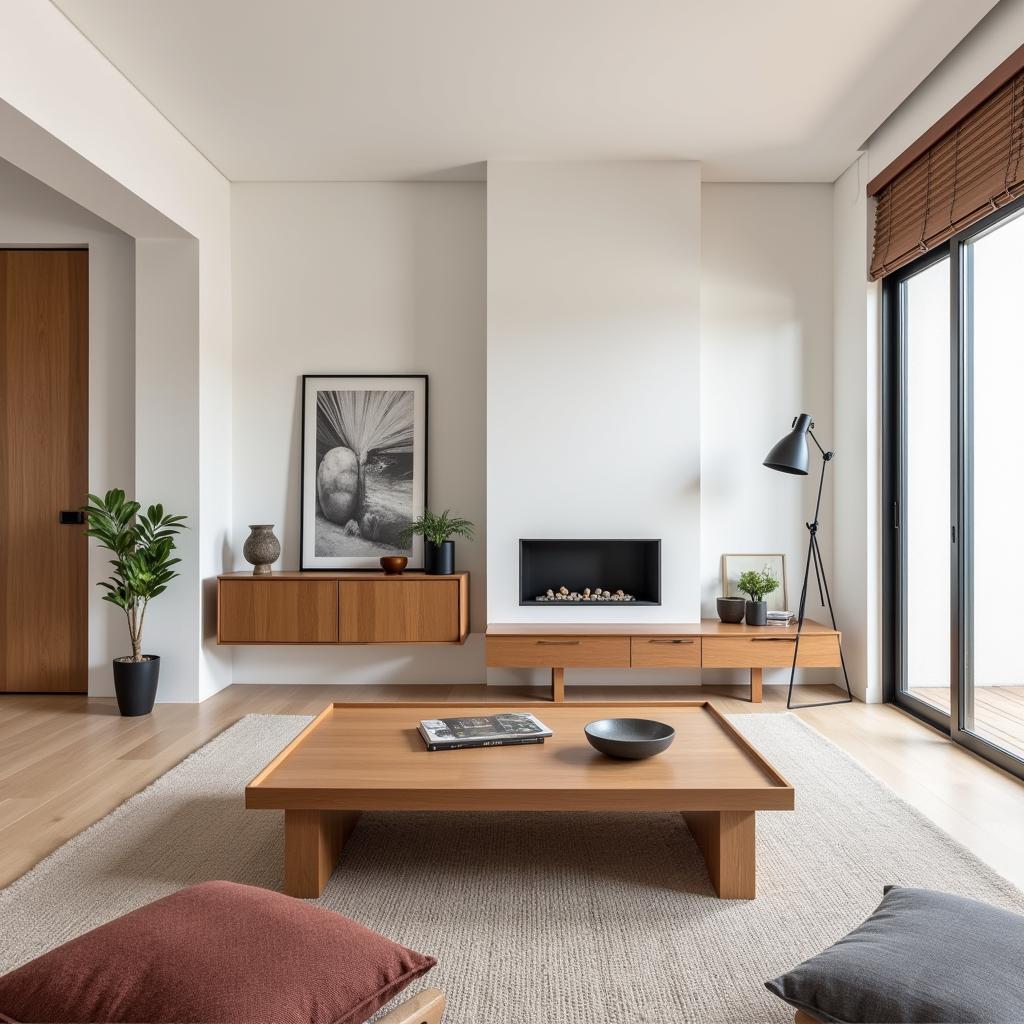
(998, 712)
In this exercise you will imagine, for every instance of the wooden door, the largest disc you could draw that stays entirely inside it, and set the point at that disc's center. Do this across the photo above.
(44, 423)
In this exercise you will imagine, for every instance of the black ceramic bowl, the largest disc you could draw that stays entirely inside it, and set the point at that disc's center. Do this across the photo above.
(631, 739)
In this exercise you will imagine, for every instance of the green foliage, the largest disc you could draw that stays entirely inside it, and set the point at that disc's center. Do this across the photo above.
(142, 545)
(438, 529)
(757, 585)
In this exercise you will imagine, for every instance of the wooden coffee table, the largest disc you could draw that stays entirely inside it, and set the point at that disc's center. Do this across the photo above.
(363, 757)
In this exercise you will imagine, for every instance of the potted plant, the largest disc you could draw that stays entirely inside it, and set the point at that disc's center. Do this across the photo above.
(437, 532)
(757, 586)
(143, 567)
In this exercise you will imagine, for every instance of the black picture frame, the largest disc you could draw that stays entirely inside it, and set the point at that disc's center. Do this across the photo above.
(309, 519)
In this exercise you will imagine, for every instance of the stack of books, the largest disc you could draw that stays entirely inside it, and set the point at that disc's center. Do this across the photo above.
(511, 728)
(781, 618)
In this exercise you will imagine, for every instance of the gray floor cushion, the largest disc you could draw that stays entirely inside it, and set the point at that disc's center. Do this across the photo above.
(922, 957)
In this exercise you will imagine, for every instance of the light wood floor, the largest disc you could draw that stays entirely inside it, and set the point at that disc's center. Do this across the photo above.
(998, 712)
(65, 761)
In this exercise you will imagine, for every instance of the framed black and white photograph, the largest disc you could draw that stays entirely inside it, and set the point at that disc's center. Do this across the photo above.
(364, 469)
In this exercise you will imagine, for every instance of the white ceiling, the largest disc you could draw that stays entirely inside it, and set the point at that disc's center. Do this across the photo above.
(769, 90)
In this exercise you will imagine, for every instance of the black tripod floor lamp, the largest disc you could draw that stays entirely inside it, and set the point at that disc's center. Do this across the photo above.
(791, 455)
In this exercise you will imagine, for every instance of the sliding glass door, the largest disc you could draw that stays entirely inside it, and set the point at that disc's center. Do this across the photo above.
(955, 488)
(922, 508)
(992, 701)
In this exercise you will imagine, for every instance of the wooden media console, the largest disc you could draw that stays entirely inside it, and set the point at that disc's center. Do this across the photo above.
(707, 644)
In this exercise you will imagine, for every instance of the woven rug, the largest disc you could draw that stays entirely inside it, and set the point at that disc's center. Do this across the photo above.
(582, 919)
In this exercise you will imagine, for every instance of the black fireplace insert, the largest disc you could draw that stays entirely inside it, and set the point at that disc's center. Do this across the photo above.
(598, 573)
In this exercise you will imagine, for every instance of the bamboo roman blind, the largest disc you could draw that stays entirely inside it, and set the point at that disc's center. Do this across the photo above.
(973, 168)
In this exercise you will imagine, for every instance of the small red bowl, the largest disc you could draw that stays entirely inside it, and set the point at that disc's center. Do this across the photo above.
(393, 564)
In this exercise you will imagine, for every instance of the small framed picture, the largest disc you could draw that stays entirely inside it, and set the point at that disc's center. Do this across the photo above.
(364, 469)
(733, 566)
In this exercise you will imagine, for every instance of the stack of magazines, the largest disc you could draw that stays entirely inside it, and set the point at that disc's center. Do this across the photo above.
(507, 729)
(781, 618)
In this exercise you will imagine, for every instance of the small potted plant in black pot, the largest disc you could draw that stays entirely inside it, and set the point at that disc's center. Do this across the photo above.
(757, 586)
(438, 546)
(143, 567)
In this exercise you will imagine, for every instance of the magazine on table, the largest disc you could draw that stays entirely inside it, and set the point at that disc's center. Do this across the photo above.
(509, 728)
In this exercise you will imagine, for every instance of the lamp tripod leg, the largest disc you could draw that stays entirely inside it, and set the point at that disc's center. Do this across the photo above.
(814, 553)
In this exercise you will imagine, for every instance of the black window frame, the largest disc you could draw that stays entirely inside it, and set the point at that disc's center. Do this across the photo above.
(894, 588)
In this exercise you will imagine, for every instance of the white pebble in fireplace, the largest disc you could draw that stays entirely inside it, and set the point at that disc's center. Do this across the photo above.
(589, 594)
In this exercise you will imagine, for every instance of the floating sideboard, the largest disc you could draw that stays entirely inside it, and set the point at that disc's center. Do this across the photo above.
(706, 644)
(342, 608)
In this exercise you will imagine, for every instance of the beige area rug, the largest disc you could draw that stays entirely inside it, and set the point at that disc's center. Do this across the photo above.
(582, 919)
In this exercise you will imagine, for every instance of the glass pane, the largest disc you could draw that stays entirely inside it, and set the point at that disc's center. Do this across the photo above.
(925, 514)
(994, 702)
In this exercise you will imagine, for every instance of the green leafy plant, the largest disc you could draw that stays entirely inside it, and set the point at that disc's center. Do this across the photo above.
(142, 547)
(438, 528)
(757, 585)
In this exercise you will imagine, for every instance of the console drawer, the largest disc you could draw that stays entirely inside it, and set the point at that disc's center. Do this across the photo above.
(816, 651)
(564, 651)
(665, 652)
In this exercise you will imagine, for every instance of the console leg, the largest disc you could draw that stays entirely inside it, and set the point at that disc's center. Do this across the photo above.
(558, 685)
(756, 675)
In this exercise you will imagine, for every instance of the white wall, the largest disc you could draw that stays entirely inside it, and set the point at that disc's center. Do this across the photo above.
(857, 477)
(32, 214)
(70, 118)
(358, 278)
(860, 520)
(766, 355)
(593, 370)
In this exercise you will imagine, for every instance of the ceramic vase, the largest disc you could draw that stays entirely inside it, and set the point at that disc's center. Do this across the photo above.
(262, 548)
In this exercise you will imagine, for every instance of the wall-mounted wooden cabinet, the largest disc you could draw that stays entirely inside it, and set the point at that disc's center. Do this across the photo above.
(342, 608)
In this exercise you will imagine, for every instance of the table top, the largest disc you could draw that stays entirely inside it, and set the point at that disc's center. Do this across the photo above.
(371, 757)
(706, 627)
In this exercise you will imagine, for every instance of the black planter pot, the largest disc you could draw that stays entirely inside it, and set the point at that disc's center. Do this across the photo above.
(135, 685)
(731, 609)
(439, 559)
(757, 613)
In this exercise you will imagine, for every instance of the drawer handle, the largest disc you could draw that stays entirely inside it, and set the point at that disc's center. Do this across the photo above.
(559, 643)
(773, 639)
(670, 641)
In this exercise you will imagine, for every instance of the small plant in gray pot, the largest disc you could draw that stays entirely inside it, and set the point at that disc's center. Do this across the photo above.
(757, 586)
(143, 567)
(437, 532)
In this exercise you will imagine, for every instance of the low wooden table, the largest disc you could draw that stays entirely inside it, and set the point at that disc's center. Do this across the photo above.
(362, 757)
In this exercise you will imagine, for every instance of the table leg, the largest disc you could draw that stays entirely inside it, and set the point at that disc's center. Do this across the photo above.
(726, 838)
(558, 685)
(756, 676)
(312, 845)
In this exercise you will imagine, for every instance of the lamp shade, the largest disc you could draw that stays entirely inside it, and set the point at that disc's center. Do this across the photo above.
(790, 455)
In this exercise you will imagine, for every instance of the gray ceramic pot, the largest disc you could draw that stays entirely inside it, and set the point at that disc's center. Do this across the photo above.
(261, 548)
(731, 609)
(757, 613)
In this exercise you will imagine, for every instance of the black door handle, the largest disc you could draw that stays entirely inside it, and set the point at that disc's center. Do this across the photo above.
(71, 517)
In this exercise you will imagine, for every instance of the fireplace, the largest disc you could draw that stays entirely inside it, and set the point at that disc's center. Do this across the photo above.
(591, 573)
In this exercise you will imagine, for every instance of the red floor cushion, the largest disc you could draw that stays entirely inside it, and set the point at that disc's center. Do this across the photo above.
(215, 952)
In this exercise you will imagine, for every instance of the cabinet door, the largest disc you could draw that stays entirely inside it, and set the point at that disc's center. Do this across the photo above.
(278, 612)
(399, 611)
